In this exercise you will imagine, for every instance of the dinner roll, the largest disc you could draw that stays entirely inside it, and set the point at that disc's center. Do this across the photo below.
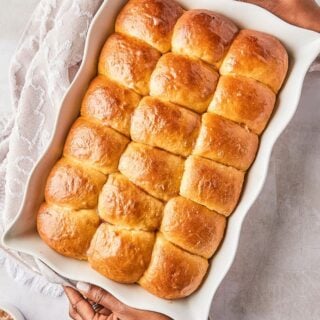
(165, 125)
(95, 145)
(243, 100)
(173, 273)
(259, 56)
(124, 204)
(185, 81)
(226, 142)
(128, 61)
(192, 226)
(121, 255)
(67, 231)
(155, 171)
(149, 20)
(73, 185)
(203, 34)
(110, 104)
(211, 184)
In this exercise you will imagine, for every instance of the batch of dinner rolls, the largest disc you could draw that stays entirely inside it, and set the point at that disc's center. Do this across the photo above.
(156, 161)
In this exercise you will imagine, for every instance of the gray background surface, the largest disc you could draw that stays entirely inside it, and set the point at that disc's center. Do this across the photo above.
(276, 274)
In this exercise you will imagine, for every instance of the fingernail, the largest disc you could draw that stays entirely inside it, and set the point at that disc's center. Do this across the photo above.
(83, 287)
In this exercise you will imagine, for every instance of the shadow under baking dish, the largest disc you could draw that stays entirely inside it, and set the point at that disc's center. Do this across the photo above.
(303, 47)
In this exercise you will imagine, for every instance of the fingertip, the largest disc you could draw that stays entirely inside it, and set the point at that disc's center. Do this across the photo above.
(83, 286)
(72, 294)
(66, 289)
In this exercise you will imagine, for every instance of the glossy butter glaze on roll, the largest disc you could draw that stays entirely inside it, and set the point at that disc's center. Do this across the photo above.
(192, 226)
(67, 231)
(122, 203)
(150, 21)
(72, 185)
(259, 56)
(155, 164)
(120, 254)
(110, 104)
(165, 125)
(173, 273)
(243, 100)
(211, 184)
(128, 61)
(185, 81)
(96, 145)
(226, 142)
(203, 34)
(156, 171)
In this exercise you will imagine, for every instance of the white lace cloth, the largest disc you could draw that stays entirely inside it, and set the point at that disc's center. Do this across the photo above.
(47, 57)
(43, 66)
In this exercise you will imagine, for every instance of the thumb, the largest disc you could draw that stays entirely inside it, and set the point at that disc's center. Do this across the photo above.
(123, 311)
(100, 296)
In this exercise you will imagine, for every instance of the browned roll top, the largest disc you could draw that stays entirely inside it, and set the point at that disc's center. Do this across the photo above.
(173, 273)
(203, 34)
(165, 125)
(259, 56)
(128, 61)
(150, 21)
(185, 81)
(156, 161)
(109, 104)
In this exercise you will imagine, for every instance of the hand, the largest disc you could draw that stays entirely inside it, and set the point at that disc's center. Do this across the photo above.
(303, 13)
(81, 308)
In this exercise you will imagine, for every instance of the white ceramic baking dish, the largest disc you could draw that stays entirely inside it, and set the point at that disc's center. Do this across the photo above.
(303, 47)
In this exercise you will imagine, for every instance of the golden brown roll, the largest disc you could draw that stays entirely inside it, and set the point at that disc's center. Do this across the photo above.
(226, 142)
(203, 34)
(243, 100)
(123, 204)
(185, 81)
(259, 56)
(128, 61)
(95, 145)
(211, 184)
(71, 185)
(192, 226)
(165, 125)
(109, 103)
(149, 20)
(119, 254)
(67, 231)
(173, 273)
(155, 171)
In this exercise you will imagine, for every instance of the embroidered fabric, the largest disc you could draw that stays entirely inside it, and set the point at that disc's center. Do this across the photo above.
(46, 60)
